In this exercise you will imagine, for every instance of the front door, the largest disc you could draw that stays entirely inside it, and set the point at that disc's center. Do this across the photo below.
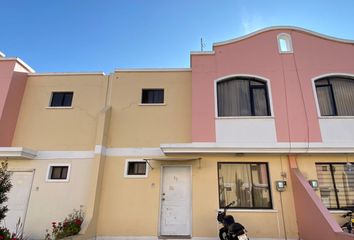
(18, 198)
(176, 201)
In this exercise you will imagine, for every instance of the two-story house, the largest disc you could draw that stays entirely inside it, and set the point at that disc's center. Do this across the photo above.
(265, 121)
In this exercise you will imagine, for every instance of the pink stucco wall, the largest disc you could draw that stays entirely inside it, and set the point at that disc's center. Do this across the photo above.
(290, 78)
(12, 86)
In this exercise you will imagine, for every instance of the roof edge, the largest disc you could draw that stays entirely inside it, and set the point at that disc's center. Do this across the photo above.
(20, 61)
(152, 69)
(280, 28)
(66, 73)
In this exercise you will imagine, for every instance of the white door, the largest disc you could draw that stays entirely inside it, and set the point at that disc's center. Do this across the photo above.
(18, 198)
(176, 201)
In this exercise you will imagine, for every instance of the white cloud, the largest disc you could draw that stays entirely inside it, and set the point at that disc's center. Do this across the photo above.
(251, 22)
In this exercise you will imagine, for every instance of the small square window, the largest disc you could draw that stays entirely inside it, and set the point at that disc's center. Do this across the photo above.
(152, 96)
(58, 172)
(61, 99)
(135, 168)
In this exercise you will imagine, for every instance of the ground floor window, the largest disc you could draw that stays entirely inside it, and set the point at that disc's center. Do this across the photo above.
(135, 168)
(245, 183)
(336, 183)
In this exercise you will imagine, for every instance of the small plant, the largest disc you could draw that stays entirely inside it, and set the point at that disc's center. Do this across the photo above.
(69, 227)
(17, 235)
(4, 233)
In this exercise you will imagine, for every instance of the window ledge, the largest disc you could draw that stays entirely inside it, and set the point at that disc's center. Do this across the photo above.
(338, 211)
(135, 176)
(152, 104)
(59, 107)
(247, 117)
(336, 117)
(251, 210)
(57, 180)
(286, 52)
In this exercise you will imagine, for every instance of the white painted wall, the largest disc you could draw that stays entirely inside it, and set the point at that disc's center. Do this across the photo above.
(252, 130)
(337, 130)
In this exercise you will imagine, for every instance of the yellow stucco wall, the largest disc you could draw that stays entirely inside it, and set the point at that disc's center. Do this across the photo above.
(43, 128)
(138, 200)
(134, 125)
(53, 201)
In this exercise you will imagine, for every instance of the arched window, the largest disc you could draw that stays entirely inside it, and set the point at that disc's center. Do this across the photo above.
(284, 43)
(335, 96)
(242, 96)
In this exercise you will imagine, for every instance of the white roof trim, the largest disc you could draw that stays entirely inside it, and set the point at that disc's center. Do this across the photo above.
(66, 73)
(152, 69)
(174, 159)
(19, 60)
(302, 147)
(17, 152)
(283, 27)
(202, 52)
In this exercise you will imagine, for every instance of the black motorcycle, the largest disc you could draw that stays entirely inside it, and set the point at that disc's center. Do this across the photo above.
(348, 226)
(231, 230)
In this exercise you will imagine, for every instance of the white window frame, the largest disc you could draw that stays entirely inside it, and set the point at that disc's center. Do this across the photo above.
(289, 45)
(269, 89)
(313, 81)
(49, 171)
(127, 161)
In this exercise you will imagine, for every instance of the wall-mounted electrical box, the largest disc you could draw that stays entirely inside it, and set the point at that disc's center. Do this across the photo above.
(314, 184)
(280, 185)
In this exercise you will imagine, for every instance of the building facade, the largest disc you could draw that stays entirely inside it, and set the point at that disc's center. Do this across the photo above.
(151, 153)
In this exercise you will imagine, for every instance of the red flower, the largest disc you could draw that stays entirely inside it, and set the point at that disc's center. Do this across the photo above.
(78, 222)
(1, 237)
(14, 238)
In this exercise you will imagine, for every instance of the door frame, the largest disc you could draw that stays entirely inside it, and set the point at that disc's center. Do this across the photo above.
(160, 199)
(33, 171)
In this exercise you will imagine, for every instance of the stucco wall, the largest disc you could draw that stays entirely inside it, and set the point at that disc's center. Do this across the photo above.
(138, 200)
(43, 128)
(53, 201)
(12, 84)
(290, 76)
(137, 125)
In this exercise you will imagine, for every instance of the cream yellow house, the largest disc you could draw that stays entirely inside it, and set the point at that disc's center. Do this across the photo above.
(265, 120)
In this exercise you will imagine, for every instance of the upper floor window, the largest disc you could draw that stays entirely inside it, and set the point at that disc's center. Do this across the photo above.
(335, 96)
(242, 96)
(61, 99)
(284, 43)
(152, 96)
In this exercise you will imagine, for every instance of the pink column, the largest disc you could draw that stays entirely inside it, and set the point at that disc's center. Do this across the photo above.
(12, 86)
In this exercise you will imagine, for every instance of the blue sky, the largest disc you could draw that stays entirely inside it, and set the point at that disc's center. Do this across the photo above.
(101, 35)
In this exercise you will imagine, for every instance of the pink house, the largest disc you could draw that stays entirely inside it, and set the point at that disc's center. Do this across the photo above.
(264, 121)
